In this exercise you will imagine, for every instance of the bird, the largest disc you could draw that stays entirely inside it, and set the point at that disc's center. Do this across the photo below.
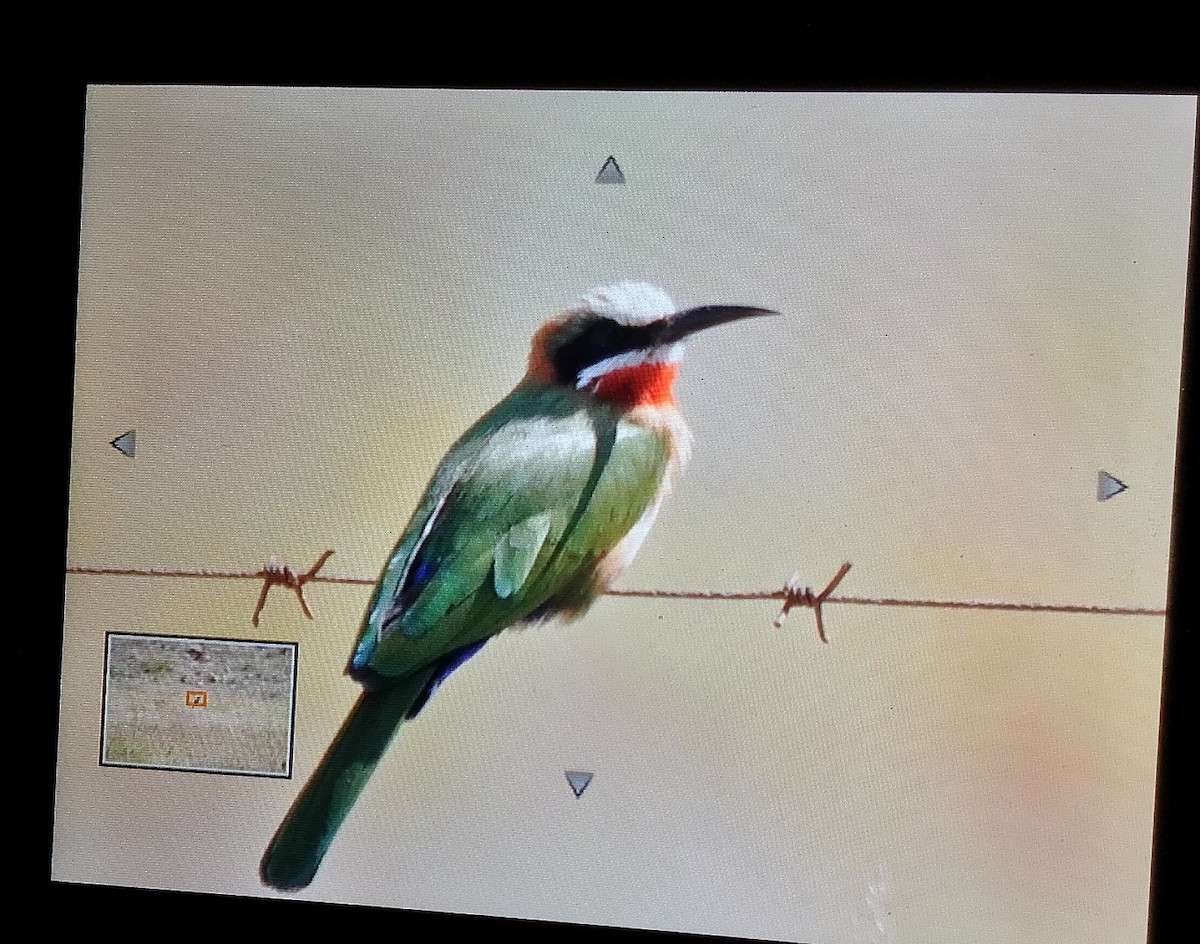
(528, 518)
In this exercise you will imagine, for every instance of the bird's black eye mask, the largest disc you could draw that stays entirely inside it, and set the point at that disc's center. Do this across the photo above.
(597, 339)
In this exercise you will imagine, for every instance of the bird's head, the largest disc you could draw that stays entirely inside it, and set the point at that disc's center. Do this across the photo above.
(623, 342)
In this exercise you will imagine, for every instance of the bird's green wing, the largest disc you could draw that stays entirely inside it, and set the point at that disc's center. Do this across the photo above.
(518, 515)
(517, 551)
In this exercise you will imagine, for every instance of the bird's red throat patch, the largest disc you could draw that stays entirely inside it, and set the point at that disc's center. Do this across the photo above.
(638, 385)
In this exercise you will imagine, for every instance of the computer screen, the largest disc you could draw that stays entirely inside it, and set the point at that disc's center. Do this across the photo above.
(735, 513)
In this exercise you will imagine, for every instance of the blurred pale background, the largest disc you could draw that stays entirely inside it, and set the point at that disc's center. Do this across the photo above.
(299, 299)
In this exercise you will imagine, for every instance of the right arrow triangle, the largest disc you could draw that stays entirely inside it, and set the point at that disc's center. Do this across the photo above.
(610, 173)
(1108, 485)
(579, 780)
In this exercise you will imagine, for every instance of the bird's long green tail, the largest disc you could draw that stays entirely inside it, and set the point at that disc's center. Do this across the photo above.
(304, 836)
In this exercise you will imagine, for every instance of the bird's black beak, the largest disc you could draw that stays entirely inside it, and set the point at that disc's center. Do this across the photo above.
(678, 326)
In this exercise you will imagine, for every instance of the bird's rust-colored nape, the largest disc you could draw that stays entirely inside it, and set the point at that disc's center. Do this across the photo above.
(540, 368)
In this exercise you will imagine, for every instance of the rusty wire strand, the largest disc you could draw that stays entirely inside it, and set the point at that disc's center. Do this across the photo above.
(793, 594)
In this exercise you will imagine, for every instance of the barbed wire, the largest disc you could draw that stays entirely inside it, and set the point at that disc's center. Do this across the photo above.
(793, 593)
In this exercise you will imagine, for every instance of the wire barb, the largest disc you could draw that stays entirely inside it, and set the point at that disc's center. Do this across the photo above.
(796, 595)
(275, 572)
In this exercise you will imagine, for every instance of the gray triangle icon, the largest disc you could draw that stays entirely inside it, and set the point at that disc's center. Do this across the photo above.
(125, 443)
(1108, 485)
(579, 780)
(610, 173)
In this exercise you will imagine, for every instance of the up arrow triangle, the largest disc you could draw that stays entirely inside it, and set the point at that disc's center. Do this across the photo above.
(610, 173)
(579, 780)
(1108, 485)
(125, 443)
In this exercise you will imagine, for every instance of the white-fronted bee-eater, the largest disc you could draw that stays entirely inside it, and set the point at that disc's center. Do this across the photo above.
(530, 516)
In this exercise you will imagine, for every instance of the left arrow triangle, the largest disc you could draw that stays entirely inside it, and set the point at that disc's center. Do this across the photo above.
(125, 443)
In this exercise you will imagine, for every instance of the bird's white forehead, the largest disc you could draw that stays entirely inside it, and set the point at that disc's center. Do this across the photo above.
(631, 303)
